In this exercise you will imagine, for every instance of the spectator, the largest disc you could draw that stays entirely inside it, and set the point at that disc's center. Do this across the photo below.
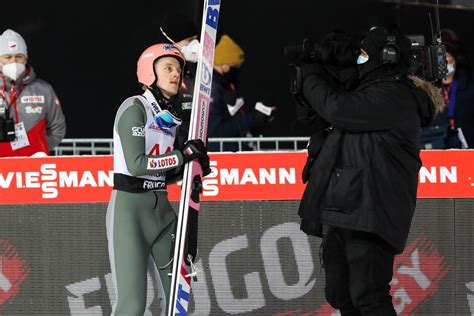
(454, 126)
(31, 118)
(227, 117)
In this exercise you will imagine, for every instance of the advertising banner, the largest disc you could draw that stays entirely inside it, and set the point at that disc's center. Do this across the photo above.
(253, 259)
(242, 176)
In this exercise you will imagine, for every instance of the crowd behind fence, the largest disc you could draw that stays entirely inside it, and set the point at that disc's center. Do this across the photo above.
(104, 146)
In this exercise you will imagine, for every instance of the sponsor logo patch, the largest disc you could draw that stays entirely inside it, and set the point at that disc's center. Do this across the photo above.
(12, 45)
(32, 99)
(163, 162)
(169, 47)
(33, 109)
(152, 185)
(138, 131)
(156, 128)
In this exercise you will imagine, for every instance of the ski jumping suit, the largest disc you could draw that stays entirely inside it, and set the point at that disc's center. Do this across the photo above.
(140, 220)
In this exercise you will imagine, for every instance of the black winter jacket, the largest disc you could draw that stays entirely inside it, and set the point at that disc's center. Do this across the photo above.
(221, 123)
(365, 176)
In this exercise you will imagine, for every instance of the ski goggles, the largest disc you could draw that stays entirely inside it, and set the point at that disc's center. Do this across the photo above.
(166, 120)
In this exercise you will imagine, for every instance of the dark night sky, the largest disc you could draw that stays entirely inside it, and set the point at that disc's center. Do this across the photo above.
(88, 50)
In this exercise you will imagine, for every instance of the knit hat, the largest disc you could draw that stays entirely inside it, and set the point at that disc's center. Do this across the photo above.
(373, 43)
(228, 52)
(12, 43)
(376, 39)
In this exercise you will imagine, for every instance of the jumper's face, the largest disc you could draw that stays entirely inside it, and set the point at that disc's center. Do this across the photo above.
(168, 72)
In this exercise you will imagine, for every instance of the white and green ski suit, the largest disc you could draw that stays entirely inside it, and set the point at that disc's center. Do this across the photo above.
(140, 220)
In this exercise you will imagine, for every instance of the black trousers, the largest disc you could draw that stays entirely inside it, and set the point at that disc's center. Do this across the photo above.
(358, 268)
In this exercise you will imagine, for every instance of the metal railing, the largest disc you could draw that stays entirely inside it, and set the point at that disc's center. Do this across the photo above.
(104, 146)
(262, 143)
(85, 146)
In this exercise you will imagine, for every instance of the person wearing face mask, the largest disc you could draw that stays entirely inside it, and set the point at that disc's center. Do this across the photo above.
(227, 115)
(454, 126)
(361, 191)
(31, 118)
(140, 220)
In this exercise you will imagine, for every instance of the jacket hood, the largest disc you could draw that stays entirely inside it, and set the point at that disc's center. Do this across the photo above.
(433, 103)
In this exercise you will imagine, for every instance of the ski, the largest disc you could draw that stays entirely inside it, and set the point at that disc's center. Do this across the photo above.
(182, 272)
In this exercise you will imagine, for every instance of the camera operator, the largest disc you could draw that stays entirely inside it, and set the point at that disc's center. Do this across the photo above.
(362, 169)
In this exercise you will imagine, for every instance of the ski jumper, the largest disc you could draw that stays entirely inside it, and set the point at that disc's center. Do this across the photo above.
(140, 220)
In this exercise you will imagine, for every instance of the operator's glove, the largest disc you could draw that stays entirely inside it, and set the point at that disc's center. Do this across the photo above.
(195, 149)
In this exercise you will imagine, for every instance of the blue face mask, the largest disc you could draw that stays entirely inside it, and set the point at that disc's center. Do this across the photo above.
(362, 59)
(451, 69)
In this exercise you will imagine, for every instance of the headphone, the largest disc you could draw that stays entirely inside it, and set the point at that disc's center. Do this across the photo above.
(390, 53)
